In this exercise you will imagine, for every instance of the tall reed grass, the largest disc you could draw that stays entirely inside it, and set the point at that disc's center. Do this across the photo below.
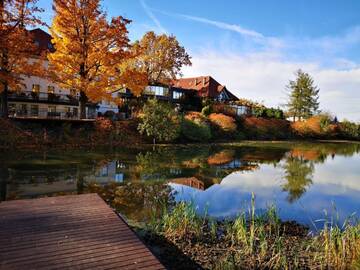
(262, 241)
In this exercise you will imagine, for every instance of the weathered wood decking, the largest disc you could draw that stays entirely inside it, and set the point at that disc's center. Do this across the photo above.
(68, 232)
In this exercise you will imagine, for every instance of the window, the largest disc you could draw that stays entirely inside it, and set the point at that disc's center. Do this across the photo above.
(75, 112)
(52, 109)
(51, 89)
(177, 95)
(23, 110)
(156, 90)
(36, 88)
(12, 109)
(34, 110)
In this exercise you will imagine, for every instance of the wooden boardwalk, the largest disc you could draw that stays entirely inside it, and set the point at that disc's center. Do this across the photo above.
(68, 232)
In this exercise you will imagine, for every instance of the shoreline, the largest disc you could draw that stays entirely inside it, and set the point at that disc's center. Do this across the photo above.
(42, 147)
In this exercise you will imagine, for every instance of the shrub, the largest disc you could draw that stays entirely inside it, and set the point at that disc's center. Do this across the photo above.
(350, 130)
(318, 126)
(195, 127)
(159, 121)
(224, 109)
(103, 125)
(206, 111)
(222, 124)
(263, 128)
(268, 113)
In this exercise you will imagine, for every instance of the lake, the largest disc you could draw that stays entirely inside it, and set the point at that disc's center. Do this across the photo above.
(306, 181)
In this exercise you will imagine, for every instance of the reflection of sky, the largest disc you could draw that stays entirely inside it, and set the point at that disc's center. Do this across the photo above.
(335, 182)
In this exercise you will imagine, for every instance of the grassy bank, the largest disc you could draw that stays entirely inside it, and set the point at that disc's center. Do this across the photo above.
(194, 128)
(181, 238)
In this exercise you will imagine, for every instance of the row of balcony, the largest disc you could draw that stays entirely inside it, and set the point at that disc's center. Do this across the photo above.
(41, 96)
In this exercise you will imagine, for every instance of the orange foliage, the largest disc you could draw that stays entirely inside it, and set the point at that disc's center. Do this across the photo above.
(103, 124)
(90, 52)
(222, 157)
(195, 116)
(160, 57)
(16, 43)
(312, 127)
(307, 154)
(258, 122)
(223, 122)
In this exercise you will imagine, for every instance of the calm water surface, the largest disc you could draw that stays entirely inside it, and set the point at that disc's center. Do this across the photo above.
(306, 181)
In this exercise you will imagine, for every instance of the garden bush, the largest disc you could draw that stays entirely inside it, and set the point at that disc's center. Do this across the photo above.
(349, 130)
(223, 125)
(195, 127)
(263, 128)
(206, 111)
(319, 126)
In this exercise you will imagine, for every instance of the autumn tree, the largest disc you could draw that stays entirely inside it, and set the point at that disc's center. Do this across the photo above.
(160, 57)
(18, 53)
(303, 97)
(90, 51)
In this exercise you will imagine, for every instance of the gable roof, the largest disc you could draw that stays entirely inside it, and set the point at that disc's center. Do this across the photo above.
(206, 86)
(42, 40)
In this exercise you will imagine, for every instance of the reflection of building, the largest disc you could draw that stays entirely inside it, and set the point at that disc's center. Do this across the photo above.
(111, 172)
(236, 163)
(190, 182)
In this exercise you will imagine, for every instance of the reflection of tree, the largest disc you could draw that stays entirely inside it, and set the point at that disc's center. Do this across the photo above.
(298, 174)
(138, 201)
(222, 157)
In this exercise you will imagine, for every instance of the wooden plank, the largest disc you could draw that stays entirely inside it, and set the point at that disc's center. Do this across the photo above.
(69, 232)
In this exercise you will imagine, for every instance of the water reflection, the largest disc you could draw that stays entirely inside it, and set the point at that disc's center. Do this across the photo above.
(298, 176)
(302, 178)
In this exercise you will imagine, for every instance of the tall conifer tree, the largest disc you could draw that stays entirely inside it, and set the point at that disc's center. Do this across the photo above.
(303, 97)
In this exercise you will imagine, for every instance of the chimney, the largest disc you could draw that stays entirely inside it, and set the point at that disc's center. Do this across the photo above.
(203, 81)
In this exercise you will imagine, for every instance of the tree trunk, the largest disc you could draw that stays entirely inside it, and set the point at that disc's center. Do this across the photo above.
(4, 178)
(82, 102)
(4, 102)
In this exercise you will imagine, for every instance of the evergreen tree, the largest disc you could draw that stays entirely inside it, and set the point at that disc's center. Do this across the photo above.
(304, 96)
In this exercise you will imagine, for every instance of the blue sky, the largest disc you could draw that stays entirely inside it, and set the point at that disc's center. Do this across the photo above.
(254, 47)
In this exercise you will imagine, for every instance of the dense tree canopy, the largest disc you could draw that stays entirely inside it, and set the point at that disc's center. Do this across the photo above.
(16, 46)
(90, 51)
(303, 97)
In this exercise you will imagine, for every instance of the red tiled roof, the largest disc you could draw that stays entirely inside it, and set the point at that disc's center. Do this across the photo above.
(206, 86)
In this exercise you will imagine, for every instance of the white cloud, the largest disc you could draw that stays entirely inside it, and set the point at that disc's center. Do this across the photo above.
(262, 72)
(263, 77)
(152, 17)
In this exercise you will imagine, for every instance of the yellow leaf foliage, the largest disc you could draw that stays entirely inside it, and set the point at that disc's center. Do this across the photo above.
(160, 57)
(19, 55)
(90, 51)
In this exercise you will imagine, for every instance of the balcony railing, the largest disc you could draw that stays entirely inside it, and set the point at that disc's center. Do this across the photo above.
(43, 114)
(44, 97)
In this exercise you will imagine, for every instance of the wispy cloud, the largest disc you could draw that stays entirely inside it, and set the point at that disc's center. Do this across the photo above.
(226, 26)
(152, 16)
(249, 34)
